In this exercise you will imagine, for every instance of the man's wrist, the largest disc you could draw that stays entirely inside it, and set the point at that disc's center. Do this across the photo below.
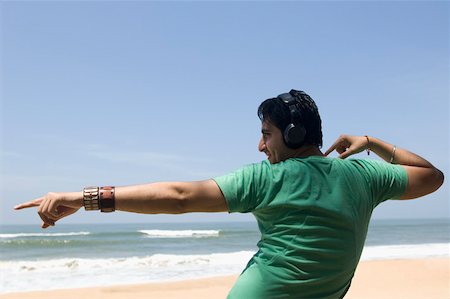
(75, 198)
(383, 149)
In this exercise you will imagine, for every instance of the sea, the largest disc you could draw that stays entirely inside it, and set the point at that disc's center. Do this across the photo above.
(86, 255)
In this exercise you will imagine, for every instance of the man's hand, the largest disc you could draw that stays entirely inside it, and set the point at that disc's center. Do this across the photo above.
(347, 145)
(54, 206)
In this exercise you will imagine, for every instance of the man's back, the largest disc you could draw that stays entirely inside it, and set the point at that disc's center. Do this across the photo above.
(313, 214)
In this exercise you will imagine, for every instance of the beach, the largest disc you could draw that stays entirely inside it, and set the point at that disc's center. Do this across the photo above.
(375, 279)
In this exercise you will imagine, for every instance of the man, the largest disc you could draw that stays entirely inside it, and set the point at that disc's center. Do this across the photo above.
(313, 211)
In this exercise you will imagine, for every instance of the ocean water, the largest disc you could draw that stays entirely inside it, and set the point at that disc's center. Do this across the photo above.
(83, 255)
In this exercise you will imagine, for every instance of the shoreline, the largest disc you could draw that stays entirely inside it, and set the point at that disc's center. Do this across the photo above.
(376, 279)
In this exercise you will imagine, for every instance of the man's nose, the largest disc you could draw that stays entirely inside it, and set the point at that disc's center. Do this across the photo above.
(261, 145)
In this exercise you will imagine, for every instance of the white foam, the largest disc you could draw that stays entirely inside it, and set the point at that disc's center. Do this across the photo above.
(156, 233)
(32, 275)
(24, 235)
(410, 251)
(19, 276)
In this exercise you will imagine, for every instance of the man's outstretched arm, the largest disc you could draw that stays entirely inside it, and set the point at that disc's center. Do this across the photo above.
(171, 198)
(155, 198)
(423, 177)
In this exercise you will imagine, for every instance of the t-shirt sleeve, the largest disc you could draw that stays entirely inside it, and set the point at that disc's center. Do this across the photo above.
(387, 181)
(241, 188)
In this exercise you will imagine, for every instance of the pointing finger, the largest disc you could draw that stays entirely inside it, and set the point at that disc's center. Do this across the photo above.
(339, 145)
(332, 148)
(328, 151)
(29, 204)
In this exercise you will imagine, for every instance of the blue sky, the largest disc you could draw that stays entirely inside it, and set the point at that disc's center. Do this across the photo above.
(129, 92)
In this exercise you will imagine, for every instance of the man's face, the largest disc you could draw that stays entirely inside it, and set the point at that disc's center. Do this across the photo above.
(272, 143)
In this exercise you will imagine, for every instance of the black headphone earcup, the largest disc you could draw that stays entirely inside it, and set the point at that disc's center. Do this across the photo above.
(294, 135)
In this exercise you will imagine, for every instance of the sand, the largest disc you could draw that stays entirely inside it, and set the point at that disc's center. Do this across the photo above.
(383, 279)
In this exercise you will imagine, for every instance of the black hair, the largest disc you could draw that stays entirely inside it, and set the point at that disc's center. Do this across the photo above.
(275, 111)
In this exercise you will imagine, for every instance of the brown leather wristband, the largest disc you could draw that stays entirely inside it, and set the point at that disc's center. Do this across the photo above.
(91, 199)
(107, 199)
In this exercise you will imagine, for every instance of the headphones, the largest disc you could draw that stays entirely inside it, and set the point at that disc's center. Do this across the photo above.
(294, 133)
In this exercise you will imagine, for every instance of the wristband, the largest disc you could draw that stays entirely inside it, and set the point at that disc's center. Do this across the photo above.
(393, 154)
(91, 199)
(107, 199)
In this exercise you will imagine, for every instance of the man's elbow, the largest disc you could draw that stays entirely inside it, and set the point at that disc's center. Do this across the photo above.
(423, 183)
(435, 181)
(439, 178)
(185, 198)
(181, 203)
(177, 199)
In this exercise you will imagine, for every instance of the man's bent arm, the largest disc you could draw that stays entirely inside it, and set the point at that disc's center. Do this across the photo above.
(423, 177)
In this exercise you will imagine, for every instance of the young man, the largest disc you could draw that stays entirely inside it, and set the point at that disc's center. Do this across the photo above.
(313, 212)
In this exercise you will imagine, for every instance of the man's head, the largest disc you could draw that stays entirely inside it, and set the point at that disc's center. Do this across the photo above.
(286, 114)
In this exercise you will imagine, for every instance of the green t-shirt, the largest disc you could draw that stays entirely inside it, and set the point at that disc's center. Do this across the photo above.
(313, 214)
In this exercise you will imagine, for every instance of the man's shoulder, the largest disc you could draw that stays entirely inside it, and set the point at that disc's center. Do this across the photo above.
(334, 165)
